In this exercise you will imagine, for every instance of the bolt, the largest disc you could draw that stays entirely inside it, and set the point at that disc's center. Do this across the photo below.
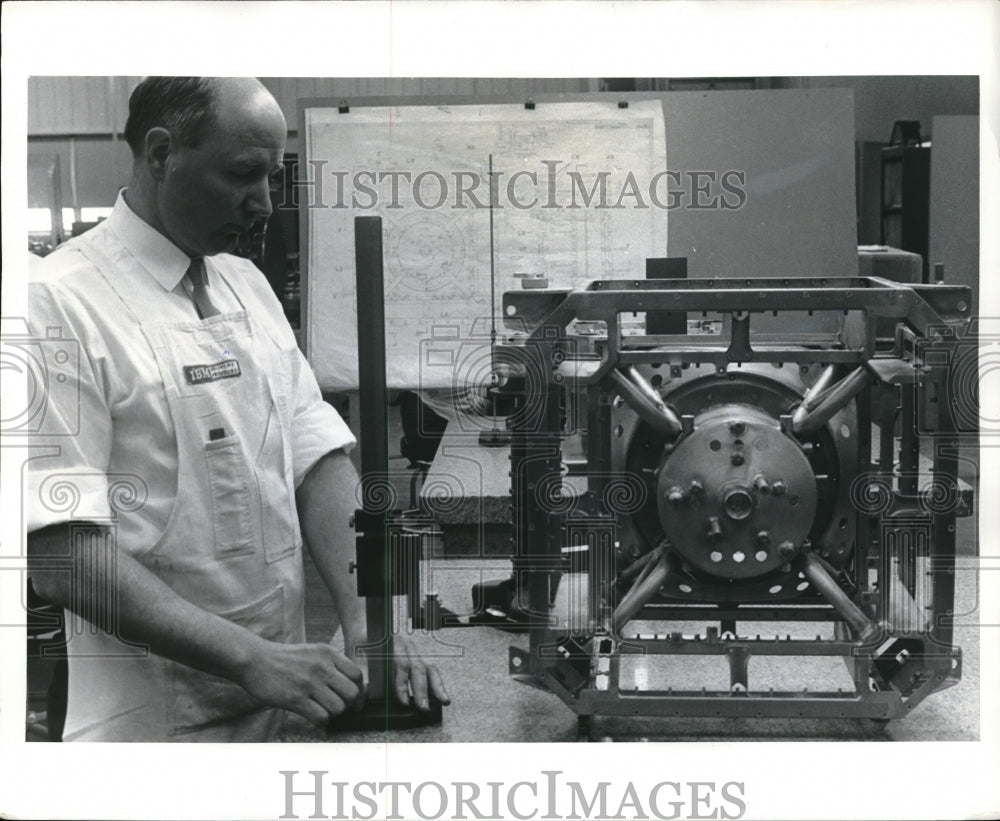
(786, 549)
(763, 538)
(761, 484)
(714, 528)
(737, 459)
(779, 488)
(696, 488)
(675, 496)
(738, 428)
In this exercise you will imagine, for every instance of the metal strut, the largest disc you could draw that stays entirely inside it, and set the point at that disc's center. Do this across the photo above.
(645, 401)
(651, 580)
(817, 576)
(808, 419)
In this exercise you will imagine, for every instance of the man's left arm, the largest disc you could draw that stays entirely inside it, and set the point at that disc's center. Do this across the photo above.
(326, 500)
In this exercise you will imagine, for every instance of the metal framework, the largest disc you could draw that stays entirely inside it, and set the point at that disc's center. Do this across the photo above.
(869, 541)
(799, 463)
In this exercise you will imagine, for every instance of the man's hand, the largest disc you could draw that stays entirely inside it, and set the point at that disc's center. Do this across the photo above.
(412, 676)
(326, 501)
(313, 680)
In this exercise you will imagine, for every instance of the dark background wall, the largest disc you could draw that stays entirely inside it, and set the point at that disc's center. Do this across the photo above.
(78, 120)
(880, 101)
(87, 114)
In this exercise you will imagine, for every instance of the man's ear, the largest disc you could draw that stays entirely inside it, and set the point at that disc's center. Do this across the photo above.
(157, 149)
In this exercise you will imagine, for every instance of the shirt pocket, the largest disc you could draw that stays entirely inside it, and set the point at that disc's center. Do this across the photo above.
(201, 700)
(229, 492)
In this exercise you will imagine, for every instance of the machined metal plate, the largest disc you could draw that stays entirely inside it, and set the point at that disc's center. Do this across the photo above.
(736, 497)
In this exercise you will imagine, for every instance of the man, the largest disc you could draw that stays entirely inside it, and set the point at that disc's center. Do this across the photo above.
(197, 450)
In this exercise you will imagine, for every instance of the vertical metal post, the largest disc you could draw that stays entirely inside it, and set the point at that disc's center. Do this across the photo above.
(535, 457)
(943, 546)
(374, 427)
(598, 435)
(909, 486)
(909, 444)
(387, 556)
(888, 401)
(603, 560)
(870, 552)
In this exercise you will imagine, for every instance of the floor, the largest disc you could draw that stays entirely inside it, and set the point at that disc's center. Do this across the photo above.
(487, 705)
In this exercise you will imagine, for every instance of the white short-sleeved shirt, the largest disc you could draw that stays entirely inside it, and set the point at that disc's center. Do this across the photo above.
(107, 414)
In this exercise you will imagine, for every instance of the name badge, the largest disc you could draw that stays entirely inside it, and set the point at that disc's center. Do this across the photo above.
(199, 374)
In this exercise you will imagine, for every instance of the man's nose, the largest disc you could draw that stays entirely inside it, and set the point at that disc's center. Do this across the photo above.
(258, 202)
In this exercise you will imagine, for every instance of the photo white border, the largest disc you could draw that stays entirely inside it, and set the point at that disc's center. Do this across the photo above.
(532, 39)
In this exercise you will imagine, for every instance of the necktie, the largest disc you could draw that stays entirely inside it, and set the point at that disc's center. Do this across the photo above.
(199, 290)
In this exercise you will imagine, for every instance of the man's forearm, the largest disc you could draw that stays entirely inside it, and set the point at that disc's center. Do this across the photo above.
(326, 501)
(310, 679)
(146, 610)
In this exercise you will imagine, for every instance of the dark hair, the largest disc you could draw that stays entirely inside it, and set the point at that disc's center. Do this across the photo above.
(182, 105)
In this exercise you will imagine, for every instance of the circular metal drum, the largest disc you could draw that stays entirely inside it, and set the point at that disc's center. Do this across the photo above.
(737, 497)
(734, 498)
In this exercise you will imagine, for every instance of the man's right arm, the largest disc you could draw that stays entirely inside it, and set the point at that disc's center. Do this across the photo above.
(312, 680)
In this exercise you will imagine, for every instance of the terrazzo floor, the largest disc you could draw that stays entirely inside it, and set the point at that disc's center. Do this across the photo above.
(487, 705)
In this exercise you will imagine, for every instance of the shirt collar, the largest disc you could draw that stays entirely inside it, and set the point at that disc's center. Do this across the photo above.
(164, 261)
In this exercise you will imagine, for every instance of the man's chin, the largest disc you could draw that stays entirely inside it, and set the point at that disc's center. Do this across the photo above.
(226, 243)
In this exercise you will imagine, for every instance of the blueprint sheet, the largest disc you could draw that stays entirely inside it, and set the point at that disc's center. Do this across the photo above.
(575, 193)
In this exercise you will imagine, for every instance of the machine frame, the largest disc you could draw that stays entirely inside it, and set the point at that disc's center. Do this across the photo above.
(898, 344)
(899, 380)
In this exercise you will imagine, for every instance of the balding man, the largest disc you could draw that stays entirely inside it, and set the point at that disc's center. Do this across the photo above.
(197, 449)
